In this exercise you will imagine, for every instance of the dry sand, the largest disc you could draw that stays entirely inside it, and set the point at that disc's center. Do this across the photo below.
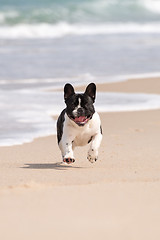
(116, 198)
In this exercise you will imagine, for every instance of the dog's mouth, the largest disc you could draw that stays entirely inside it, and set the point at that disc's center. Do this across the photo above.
(81, 121)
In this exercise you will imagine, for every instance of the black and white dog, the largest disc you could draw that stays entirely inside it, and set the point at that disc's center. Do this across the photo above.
(79, 124)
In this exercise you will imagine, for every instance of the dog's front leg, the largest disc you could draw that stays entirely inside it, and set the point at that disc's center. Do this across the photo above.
(67, 150)
(93, 151)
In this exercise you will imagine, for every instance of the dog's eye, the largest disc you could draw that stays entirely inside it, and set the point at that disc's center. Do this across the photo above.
(72, 105)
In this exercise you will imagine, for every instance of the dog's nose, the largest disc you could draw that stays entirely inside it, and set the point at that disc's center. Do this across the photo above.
(80, 111)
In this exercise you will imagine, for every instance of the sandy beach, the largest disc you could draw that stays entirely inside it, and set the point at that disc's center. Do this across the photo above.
(115, 198)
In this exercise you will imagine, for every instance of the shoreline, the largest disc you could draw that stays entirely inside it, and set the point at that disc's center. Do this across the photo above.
(142, 86)
(149, 85)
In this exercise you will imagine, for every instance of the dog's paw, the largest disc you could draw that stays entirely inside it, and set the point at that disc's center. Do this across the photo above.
(68, 160)
(92, 156)
(92, 159)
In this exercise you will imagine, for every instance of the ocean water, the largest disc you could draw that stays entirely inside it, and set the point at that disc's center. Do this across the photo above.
(44, 44)
(54, 19)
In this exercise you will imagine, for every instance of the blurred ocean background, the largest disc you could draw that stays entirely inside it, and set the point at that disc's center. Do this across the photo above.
(44, 44)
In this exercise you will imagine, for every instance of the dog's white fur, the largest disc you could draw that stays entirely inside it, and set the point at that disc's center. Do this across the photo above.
(74, 135)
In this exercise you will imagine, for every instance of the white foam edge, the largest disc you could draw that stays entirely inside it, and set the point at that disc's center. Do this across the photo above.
(83, 77)
(61, 29)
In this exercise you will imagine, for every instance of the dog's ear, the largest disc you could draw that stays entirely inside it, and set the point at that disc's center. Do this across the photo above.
(68, 91)
(91, 91)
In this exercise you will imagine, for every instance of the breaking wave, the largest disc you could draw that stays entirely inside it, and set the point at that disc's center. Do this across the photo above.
(62, 29)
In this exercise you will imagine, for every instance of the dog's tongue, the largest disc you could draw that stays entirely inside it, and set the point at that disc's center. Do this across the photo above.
(80, 119)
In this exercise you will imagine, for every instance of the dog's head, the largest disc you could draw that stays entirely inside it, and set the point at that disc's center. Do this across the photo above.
(80, 107)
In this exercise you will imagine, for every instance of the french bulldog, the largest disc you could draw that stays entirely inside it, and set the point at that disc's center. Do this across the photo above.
(79, 124)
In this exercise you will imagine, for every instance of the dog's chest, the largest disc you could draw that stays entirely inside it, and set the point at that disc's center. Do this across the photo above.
(84, 134)
(83, 137)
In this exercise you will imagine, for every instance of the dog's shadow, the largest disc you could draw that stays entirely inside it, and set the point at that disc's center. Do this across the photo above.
(56, 166)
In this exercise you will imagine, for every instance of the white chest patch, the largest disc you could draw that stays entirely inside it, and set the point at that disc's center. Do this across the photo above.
(81, 135)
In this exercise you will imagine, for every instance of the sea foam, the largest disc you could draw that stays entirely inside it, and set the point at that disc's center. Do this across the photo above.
(44, 30)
